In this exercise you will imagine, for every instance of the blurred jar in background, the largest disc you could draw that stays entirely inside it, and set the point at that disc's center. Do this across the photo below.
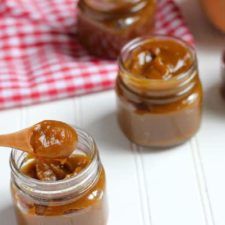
(104, 26)
(215, 10)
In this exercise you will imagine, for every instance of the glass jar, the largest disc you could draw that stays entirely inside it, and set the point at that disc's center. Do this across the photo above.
(79, 200)
(105, 26)
(215, 10)
(158, 112)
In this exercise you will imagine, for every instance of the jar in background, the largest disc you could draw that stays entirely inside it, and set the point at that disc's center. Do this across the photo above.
(158, 111)
(79, 200)
(215, 10)
(105, 26)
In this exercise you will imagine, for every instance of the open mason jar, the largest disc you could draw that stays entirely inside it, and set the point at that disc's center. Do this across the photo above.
(105, 26)
(78, 200)
(155, 111)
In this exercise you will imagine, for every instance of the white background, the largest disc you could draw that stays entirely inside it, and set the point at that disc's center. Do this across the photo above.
(185, 185)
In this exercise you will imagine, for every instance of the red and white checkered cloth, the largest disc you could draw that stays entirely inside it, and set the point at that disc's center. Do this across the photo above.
(40, 59)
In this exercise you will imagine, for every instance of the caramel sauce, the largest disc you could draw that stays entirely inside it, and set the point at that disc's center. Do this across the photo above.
(159, 59)
(53, 139)
(54, 170)
(53, 143)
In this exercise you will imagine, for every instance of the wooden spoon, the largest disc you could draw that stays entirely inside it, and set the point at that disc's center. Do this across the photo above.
(48, 139)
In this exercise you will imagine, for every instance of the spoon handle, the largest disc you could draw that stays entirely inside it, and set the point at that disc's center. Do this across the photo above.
(19, 140)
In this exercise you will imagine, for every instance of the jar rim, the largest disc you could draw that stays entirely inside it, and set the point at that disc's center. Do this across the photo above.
(73, 183)
(96, 7)
(141, 40)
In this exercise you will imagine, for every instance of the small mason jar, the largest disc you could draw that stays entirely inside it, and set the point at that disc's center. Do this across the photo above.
(158, 112)
(105, 26)
(79, 200)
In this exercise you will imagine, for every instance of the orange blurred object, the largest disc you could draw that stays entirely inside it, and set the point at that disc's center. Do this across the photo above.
(215, 10)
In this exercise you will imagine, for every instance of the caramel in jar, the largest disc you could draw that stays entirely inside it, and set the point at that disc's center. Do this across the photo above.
(60, 191)
(104, 26)
(159, 94)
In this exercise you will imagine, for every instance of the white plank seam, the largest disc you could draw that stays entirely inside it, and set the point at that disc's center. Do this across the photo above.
(23, 117)
(142, 185)
(202, 182)
(77, 102)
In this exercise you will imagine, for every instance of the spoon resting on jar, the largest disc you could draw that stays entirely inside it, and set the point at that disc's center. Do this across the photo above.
(48, 139)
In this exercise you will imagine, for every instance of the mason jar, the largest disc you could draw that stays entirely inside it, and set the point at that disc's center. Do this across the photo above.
(105, 26)
(79, 200)
(156, 112)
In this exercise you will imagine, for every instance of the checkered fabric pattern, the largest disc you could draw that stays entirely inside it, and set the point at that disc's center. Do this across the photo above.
(41, 60)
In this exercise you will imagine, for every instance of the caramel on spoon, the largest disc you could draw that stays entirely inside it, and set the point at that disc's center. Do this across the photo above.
(48, 139)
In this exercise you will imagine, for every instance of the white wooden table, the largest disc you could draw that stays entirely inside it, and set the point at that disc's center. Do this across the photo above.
(185, 185)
